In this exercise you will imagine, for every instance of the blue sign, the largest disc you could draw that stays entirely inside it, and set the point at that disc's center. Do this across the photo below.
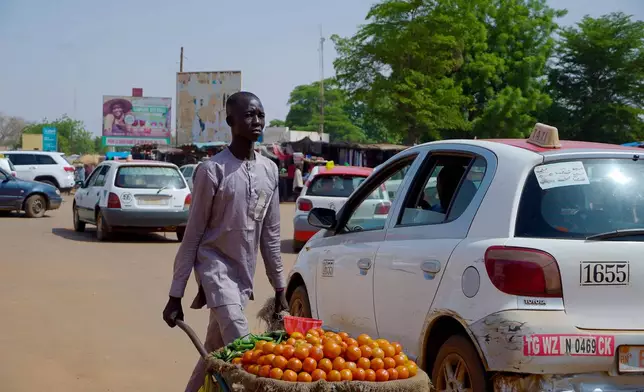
(49, 139)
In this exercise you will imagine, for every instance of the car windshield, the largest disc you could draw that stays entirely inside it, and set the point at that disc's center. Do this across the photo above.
(338, 186)
(577, 199)
(149, 177)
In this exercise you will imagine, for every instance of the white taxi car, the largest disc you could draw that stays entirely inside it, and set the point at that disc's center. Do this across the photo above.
(141, 196)
(524, 275)
(329, 188)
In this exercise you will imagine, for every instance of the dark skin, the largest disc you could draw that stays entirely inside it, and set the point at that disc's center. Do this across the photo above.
(246, 120)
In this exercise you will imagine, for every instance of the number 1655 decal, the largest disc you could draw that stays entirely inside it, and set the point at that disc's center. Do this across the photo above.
(604, 273)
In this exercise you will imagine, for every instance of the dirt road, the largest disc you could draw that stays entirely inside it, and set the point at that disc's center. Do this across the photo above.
(78, 315)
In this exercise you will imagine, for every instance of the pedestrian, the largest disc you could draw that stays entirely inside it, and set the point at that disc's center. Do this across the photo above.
(298, 182)
(234, 210)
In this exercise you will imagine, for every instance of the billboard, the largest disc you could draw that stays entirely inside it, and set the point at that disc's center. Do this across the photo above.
(128, 121)
(49, 139)
(201, 105)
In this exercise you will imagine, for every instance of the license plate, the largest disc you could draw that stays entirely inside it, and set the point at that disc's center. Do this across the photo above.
(604, 273)
(631, 359)
(568, 345)
(154, 201)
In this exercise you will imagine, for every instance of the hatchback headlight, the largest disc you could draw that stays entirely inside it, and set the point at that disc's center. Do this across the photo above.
(58, 191)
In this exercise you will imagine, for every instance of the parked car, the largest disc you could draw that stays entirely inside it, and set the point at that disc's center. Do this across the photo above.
(6, 165)
(139, 196)
(34, 198)
(188, 172)
(329, 188)
(48, 167)
(523, 276)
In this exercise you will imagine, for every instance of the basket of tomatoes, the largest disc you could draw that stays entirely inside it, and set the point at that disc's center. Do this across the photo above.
(320, 361)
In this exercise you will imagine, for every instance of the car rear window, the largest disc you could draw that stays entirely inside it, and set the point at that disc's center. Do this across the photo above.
(577, 199)
(338, 186)
(149, 177)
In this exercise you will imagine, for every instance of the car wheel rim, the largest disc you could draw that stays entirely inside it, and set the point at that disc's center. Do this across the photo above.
(454, 376)
(37, 206)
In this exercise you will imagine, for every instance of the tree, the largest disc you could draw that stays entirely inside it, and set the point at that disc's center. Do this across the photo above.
(72, 136)
(277, 123)
(304, 113)
(10, 130)
(597, 80)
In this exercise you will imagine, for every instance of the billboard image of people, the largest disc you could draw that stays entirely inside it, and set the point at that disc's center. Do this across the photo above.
(135, 120)
(201, 105)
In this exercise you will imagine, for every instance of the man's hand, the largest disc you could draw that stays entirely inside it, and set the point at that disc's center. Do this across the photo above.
(173, 311)
(280, 301)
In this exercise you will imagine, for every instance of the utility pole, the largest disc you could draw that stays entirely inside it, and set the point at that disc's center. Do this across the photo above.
(321, 129)
(181, 61)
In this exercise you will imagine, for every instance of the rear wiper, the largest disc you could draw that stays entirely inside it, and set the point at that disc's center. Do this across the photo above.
(615, 234)
(161, 189)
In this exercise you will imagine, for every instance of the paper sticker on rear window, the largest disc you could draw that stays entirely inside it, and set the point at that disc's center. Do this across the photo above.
(556, 175)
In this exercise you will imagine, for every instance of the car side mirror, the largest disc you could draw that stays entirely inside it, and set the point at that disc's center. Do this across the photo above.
(323, 218)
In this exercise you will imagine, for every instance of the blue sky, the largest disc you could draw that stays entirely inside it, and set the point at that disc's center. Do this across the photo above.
(49, 48)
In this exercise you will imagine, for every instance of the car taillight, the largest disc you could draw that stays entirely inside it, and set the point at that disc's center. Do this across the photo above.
(69, 169)
(187, 201)
(304, 205)
(113, 201)
(13, 173)
(523, 271)
(382, 208)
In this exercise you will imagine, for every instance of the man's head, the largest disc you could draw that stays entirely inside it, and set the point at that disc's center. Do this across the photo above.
(447, 182)
(245, 116)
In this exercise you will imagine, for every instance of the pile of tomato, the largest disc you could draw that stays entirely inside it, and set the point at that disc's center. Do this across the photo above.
(319, 355)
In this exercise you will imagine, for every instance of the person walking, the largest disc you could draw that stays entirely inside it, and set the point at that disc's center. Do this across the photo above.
(234, 210)
(298, 182)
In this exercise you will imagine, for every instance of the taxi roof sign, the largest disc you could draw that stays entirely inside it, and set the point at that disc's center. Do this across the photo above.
(545, 136)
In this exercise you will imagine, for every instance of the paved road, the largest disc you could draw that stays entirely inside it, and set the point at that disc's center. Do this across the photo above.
(78, 315)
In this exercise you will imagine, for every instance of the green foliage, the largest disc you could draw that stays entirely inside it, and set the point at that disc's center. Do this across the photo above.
(277, 123)
(73, 138)
(597, 80)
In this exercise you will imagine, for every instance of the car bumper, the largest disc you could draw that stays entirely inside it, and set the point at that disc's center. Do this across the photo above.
(55, 202)
(161, 219)
(302, 230)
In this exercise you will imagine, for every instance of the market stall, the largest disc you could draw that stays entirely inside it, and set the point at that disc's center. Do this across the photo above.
(353, 154)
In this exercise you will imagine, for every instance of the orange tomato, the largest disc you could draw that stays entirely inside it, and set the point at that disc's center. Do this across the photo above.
(332, 350)
(259, 344)
(382, 375)
(264, 371)
(294, 364)
(393, 374)
(343, 335)
(339, 363)
(403, 372)
(389, 350)
(301, 352)
(268, 359)
(333, 375)
(268, 347)
(378, 353)
(279, 362)
(326, 365)
(288, 352)
(304, 377)
(290, 342)
(248, 357)
(318, 374)
(352, 342)
(312, 339)
(289, 375)
(313, 332)
(364, 363)
(279, 349)
(276, 373)
(343, 348)
(257, 354)
(400, 360)
(353, 353)
(350, 365)
(366, 351)
(337, 339)
(413, 368)
(316, 353)
(389, 363)
(382, 342)
(297, 335)
(377, 364)
(397, 347)
(237, 361)
(359, 374)
(370, 375)
(309, 365)
(364, 339)
(253, 369)
(321, 332)
(373, 344)
(261, 360)
(346, 375)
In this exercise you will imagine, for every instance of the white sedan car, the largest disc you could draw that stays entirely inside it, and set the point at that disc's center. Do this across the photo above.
(517, 278)
(139, 196)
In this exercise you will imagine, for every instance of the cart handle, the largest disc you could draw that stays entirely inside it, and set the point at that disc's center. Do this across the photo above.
(193, 337)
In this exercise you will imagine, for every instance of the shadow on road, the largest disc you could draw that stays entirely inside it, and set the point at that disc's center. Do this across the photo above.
(287, 247)
(16, 215)
(90, 236)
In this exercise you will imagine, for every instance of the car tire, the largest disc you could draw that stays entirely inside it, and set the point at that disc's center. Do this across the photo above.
(459, 354)
(297, 246)
(180, 233)
(102, 228)
(35, 206)
(299, 304)
(79, 226)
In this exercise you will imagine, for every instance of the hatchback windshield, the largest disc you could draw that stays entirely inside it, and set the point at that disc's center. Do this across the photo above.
(149, 177)
(577, 199)
(338, 186)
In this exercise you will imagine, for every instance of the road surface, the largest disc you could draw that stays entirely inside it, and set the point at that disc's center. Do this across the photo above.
(79, 315)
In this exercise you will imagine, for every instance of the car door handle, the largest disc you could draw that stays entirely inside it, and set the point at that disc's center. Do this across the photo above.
(431, 266)
(364, 264)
